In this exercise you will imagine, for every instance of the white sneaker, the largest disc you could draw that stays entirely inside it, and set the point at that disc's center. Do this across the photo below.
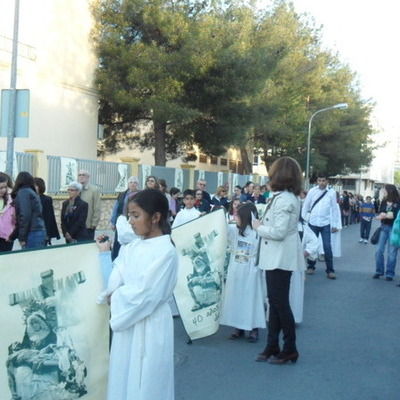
(365, 241)
(361, 240)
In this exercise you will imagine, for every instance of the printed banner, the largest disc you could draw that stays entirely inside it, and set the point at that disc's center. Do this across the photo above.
(146, 171)
(220, 178)
(69, 172)
(201, 245)
(54, 336)
(123, 178)
(178, 181)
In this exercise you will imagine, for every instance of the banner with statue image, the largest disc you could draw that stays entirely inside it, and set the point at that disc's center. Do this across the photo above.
(54, 336)
(201, 245)
(68, 172)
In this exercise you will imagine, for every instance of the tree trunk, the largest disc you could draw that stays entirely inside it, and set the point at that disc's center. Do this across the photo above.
(247, 165)
(160, 132)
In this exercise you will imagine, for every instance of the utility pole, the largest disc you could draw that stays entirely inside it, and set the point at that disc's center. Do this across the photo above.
(13, 95)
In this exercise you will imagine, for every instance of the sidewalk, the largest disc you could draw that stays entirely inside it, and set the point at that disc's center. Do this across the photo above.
(349, 343)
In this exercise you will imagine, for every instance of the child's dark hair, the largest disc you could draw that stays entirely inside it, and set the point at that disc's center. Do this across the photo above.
(174, 190)
(153, 201)
(244, 213)
(189, 192)
(3, 179)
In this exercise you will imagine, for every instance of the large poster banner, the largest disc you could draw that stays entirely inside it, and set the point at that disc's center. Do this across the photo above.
(54, 336)
(201, 245)
(68, 172)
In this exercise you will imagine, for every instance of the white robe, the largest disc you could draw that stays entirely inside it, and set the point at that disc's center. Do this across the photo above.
(336, 237)
(141, 359)
(243, 306)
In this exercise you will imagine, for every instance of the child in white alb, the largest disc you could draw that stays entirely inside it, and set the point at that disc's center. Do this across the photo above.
(243, 306)
(189, 213)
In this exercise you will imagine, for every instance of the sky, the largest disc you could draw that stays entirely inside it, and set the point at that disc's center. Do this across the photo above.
(366, 36)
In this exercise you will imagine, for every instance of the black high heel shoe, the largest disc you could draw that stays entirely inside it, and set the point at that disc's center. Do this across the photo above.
(283, 357)
(267, 353)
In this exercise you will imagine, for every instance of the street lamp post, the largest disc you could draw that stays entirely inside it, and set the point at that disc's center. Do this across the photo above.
(340, 106)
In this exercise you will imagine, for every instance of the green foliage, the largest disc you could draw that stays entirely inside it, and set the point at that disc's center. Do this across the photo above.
(217, 74)
(397, 178)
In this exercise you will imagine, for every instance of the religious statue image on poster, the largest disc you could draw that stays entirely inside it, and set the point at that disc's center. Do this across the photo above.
(44, 363)
(56, 344)
(201, 245)
(204, 283)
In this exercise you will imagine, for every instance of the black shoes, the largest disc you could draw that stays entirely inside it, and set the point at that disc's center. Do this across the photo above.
(267, 353)
(283, 357)
(376, 276)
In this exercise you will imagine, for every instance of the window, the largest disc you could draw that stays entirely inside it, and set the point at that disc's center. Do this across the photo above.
(223, 161)
(203, 158)
(240, 168)
(214, 160)
(232, 166)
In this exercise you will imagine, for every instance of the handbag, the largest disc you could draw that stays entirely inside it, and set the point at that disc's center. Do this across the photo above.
(375, 236)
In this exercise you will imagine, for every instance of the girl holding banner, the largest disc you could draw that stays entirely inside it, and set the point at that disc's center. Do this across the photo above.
(243, 305)
(139, 287)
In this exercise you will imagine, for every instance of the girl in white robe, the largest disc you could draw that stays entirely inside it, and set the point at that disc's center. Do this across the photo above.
(141, 282)
(243, 305)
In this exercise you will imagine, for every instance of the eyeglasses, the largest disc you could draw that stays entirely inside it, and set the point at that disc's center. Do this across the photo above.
(82, 174)
(224, 191)
(72, 190)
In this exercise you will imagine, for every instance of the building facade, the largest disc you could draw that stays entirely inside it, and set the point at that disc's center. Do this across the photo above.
(56, 63)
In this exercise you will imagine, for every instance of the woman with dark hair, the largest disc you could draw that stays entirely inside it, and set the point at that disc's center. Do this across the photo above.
(152, 182)
(47, 210)
(7, 216)
(388, 211)
(280, 254)
(30, 224)
(142, 281)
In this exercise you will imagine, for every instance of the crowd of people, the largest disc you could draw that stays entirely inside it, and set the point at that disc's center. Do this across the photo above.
(27, 213)
(268, 256)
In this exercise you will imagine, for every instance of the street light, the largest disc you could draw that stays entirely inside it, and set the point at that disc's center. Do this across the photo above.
(340, 106)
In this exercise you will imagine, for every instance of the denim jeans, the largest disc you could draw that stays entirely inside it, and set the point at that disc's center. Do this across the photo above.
(35, 239)
(384, 238)
(365, 228)
(325, 232)
(280, 317)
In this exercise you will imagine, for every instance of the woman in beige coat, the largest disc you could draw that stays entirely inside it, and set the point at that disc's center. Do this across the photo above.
(280, 254)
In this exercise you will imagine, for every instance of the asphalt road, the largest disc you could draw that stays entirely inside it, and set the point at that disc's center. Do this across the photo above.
(349, 343)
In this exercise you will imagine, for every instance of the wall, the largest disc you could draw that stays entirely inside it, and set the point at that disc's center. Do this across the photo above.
(56, 63)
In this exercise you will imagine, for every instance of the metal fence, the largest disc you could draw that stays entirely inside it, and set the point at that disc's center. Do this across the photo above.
(26, 162)
(103, 174)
